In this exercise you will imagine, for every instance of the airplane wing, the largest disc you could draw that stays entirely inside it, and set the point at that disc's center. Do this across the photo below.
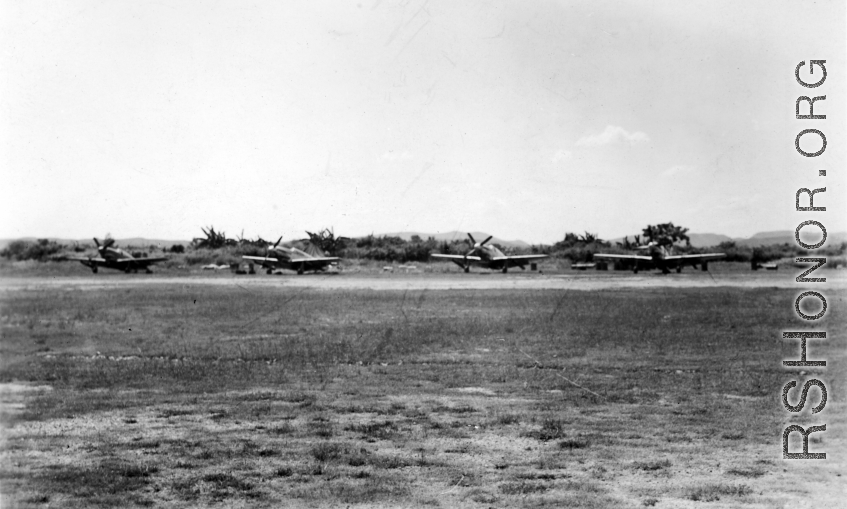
(138, 260)
(520, 257)
(456, 257)
(697, 258)
(261, 259)
(86, 259)
(314, 259)
(621, 257)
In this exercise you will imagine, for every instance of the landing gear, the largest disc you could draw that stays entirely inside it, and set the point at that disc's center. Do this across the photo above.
(269, 272)
(467, 269)
(148, 271)
(704, 266)
(300, 270)
(679, 269)
(505, 269)
(94, 269)
(635, 270)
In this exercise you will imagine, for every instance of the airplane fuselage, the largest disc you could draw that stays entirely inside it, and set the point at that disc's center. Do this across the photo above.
(292, 258)
(117, 259)
(488, 255)
(661, 258)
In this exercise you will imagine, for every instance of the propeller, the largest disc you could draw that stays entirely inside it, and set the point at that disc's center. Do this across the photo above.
(476, 245)
(268, 249)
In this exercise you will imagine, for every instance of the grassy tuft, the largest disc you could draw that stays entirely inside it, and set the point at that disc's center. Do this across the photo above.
(714, 492)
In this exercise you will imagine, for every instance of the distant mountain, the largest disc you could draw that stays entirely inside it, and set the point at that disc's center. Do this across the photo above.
(787, 237)
(707, 239)
(768, 235)
(456, 235)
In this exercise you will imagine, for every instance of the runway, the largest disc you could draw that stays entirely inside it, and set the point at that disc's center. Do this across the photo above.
(589, 280)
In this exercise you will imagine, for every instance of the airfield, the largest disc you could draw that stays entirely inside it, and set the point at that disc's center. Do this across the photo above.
(735, 275)
(426, 388)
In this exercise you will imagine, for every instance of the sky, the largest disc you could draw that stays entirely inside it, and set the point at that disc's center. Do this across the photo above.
(526, 120)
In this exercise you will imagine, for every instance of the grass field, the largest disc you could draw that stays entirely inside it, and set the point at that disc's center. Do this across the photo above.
(187, 395)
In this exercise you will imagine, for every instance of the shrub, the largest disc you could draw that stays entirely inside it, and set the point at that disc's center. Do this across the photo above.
(40, 250)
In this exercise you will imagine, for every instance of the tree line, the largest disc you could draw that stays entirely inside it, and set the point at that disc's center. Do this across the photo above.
(215, 245)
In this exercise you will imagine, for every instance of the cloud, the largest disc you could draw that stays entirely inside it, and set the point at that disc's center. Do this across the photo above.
(678, 170)
(562, 155)
(612, 134)
(396, 156)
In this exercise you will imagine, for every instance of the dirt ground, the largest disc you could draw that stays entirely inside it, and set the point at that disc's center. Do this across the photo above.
(519, 396)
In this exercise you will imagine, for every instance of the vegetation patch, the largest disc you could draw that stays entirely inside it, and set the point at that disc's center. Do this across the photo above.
(524, 487)
(574, 443)
(281, 429)
(551, 429)
(652, 466)
(714, 492)
(383, 430)
(106, 479)
(747, 472)
(218, 486)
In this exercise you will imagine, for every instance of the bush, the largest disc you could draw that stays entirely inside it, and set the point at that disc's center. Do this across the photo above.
(40, 250)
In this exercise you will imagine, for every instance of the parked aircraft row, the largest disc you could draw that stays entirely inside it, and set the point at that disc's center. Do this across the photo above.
(291, 257)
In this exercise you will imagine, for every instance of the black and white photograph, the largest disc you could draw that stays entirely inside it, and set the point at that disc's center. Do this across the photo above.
(423, 254)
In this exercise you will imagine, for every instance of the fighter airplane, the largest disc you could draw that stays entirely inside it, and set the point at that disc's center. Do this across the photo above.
(488, 256)
(293, 258)
(114, 258)
(661, 257)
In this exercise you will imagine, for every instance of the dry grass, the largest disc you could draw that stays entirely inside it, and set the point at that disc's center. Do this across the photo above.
(181, 396)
